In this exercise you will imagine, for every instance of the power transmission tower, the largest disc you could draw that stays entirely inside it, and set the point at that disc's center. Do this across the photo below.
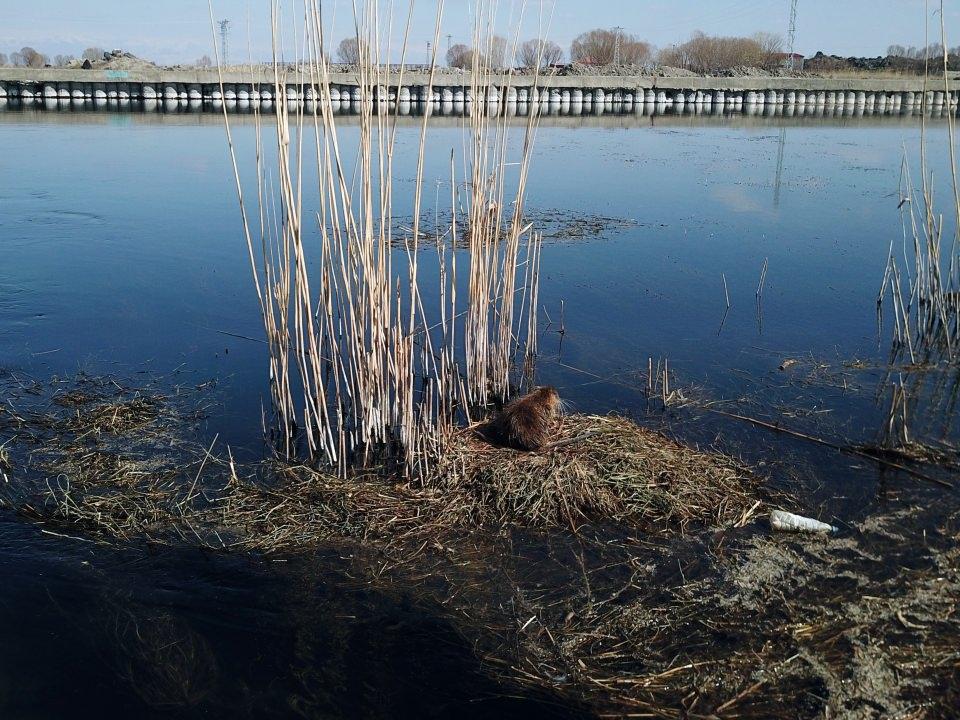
(616, 44)
(224, 36)
(792, 33)
(449, 41)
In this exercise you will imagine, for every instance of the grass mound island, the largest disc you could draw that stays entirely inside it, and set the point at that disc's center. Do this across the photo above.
(120, 462)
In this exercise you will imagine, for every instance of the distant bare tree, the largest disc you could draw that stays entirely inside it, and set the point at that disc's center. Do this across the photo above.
(348, 51)
(4, 61)
(93, 53)
(600, 47)
(498, 52)
(897, 51)
(544, 52)
(32, 58)
(204, 62)
(771, 48)
(460, 56)
(62, 60)
(16, 59)
(705, 54)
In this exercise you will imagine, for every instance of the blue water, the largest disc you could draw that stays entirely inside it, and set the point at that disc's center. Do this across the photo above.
(122, 252)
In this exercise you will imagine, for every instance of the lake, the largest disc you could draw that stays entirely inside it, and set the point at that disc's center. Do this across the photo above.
(122, 253)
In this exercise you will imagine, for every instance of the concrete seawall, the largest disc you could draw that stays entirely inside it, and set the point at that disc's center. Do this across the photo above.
(902, 96)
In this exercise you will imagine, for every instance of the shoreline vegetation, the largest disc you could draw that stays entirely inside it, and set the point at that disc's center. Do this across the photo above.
(658, 591)
(618, 568)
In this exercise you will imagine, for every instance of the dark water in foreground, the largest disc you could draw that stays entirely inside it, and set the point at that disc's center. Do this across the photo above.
(121, 252)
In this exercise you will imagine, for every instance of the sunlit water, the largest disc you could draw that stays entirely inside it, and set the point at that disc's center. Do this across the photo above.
(122, 252)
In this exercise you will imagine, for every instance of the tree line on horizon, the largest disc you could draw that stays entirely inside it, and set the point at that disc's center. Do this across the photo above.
(30, 58)
(601, 46)
(701, 53)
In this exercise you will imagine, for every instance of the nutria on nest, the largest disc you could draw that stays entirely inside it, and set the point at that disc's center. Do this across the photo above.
(526, 423)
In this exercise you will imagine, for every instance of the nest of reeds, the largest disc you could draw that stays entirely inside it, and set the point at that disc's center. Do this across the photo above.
(597, 469)
(120, 462)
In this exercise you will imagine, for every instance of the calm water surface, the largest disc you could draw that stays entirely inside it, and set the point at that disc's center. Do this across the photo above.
(121, 251)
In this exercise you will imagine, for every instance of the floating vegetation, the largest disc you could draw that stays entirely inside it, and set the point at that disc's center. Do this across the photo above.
(145, 478)
(689, 598)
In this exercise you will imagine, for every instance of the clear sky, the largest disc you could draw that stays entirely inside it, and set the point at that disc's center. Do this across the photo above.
(172, 31)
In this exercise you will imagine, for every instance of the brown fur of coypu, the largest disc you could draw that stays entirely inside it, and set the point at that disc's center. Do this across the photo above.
(527, 422)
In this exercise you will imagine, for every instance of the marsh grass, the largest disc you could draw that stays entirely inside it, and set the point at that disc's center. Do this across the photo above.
(922, 277)
(76, 464)
(361, 369)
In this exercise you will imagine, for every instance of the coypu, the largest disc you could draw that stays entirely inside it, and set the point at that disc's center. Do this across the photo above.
(525, 423)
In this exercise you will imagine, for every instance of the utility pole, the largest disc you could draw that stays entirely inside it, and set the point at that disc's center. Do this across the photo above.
(224, 36)
(616, 44)
(792, 33)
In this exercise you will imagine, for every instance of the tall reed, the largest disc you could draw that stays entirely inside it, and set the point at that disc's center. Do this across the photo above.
(923, 284)
(360, 367)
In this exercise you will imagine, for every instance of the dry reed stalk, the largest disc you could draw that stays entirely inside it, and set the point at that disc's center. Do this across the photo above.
(927, 311)
(357, 360)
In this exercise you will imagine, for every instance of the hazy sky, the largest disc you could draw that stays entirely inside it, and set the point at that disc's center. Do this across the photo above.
(172, 31)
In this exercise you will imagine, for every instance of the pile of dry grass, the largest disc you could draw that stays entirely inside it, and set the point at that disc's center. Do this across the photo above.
(598, 469)
(121, 463)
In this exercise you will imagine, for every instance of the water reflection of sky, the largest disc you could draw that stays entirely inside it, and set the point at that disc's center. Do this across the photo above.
(123, 246)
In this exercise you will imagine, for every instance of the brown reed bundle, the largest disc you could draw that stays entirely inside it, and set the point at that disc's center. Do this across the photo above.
(375, 369)
(926, 303)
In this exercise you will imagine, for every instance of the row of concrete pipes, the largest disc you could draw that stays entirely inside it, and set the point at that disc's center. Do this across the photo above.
(492, 94)
(349, 107)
